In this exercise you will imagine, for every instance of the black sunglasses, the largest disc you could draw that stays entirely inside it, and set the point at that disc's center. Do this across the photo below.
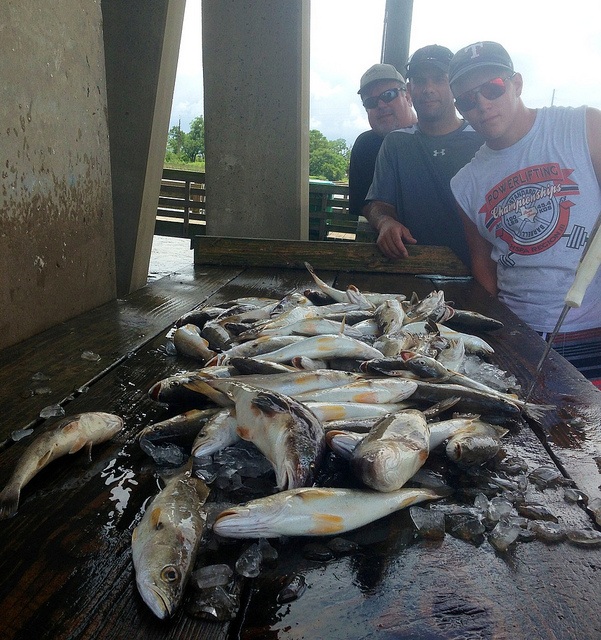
(386, 96)
(490, 90)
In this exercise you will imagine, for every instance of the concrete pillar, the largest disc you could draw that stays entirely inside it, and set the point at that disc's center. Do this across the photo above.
(256, 107)
(142, 47)
(56, 222)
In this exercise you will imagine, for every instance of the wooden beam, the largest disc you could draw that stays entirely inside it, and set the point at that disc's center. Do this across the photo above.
(355, 256)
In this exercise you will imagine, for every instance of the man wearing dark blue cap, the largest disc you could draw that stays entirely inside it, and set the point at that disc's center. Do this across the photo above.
(410, 200)
(530, 199)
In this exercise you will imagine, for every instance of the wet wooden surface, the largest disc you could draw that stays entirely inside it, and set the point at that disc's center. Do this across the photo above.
(66, 556)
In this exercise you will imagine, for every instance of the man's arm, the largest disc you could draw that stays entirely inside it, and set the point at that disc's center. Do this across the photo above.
(392, 235)
(484, 268)
(593, 134)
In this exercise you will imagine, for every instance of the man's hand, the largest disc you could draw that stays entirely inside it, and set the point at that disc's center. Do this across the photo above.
(392, 235)
(392, 238)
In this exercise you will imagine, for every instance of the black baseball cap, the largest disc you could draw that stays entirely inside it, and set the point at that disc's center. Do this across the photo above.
(476, 55)
(432, 54)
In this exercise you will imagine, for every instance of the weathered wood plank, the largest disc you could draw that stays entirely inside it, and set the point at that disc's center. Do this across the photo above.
(66, 561)
(69, 572)
(348, 256)
(112, 331)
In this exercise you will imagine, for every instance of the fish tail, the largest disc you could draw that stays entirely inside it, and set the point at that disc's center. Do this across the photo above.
(9, 501)
(537, 411)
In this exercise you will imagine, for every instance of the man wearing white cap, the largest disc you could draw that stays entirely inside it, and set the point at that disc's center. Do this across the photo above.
(383, 93)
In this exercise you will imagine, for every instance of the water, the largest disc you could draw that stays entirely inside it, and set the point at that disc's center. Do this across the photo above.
(169, 255)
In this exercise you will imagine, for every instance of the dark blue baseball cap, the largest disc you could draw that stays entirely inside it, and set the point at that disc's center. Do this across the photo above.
(432, 54)
(476, 55)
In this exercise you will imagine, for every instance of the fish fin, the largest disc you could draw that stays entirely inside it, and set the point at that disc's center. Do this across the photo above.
(326, 524)
(155, 518)
(9, 501)
(537, 411)
(271, 403)
(342, 325)
(79, 444)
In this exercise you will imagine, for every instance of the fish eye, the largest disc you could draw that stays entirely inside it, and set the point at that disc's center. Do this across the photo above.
(170, 573)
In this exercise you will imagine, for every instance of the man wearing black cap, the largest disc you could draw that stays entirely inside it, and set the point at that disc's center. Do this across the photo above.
(410, 200)
(530, 199)
(383, 93)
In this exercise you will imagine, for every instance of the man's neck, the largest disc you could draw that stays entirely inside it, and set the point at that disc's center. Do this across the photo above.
(440, 127)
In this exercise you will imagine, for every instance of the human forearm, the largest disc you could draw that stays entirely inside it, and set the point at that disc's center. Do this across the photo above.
(392, 235)
(484, 268)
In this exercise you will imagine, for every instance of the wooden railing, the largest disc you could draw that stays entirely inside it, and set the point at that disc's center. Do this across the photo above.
(182, 201)
(181, 208)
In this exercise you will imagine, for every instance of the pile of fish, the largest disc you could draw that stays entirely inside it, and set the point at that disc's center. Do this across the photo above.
(367, 376)
(375, 382)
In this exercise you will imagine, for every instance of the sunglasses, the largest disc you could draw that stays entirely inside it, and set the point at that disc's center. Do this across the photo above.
(386, 96)
(490, 90)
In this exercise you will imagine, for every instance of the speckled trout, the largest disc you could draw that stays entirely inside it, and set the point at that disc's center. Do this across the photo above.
(287, 433)
(394, 449)
(314, 511)
(70, 435)
(165, 542)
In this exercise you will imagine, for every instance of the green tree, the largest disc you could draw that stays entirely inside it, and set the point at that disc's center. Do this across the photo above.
(328, 159)
(175, 141)
(193, 146)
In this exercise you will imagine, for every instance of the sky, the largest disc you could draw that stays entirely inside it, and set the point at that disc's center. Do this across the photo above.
(555, 45)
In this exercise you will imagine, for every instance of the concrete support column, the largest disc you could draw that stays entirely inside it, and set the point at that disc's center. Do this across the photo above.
(256, 106)
(141, 41)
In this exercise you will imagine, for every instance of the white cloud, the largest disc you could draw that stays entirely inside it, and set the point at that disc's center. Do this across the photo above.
(556, 48)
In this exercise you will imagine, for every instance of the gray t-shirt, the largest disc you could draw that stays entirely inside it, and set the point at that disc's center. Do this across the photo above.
(413, 172)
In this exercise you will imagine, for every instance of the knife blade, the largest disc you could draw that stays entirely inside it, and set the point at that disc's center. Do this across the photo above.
(586, 271)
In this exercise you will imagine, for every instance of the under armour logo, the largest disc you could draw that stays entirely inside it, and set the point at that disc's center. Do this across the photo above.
(438, 152)
(475, 49)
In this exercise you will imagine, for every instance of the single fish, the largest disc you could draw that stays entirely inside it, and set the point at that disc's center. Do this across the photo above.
(328, 411)
(165, 542)
(218, 337)
(190, 389)
(287, 433)
(180, 429)
(466, 400)
(313, 511)
(342, 296)
(313, 327)
(218, 432)
(473, 344)
(325, 347)
(199, 316)
(373, 390)
(69, 436)
(300, 381)
(390, 316)
(252, 348)
(395, 448)
(430, 368)
(188, 342)
(251, 366)
(468, 449)
(462, 319)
